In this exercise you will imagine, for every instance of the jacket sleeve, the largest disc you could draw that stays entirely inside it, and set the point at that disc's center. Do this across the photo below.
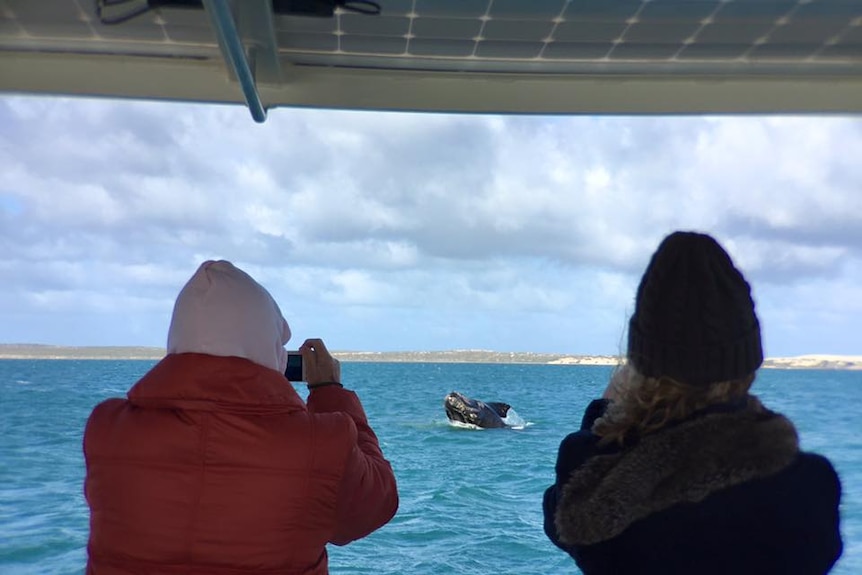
(594, 410)
(95, 431)
(821, 508)
(368, 497)
(574, 450)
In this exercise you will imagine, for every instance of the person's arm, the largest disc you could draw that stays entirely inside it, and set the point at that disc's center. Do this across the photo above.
(574, 450)
(594, 410)
(368, 496)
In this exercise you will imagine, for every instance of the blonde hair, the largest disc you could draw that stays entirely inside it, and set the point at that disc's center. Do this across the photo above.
(642, 405)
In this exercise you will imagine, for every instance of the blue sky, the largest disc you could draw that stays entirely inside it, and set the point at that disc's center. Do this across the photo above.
(393, 231)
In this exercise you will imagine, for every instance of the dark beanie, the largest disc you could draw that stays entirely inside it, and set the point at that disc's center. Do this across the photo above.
(694, 317)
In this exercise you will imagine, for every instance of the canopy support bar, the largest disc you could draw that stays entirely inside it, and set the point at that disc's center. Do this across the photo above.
(232, 48)
(256, 25)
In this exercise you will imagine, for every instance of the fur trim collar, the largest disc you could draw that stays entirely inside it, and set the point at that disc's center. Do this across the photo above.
(683, 463)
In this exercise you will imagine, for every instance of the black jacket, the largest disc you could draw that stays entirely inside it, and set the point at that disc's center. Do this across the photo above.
(725, 492)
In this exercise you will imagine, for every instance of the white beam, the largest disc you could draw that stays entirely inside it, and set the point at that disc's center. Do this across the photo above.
(204, 80)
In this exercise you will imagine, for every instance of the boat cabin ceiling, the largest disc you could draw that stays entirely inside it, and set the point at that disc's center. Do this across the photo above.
(474, 56)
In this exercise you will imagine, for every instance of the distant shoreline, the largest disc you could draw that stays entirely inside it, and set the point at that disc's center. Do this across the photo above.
(34, 351)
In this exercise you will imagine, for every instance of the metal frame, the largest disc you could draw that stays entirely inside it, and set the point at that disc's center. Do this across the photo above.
(194, 80)
(184, 57)
(257, 62)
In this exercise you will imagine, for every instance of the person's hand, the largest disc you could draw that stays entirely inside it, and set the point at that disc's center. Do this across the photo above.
(320, 366)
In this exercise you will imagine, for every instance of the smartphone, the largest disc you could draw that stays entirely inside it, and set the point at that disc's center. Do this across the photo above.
(295, 370)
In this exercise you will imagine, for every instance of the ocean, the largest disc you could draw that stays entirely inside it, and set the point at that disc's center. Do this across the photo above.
(470, 499)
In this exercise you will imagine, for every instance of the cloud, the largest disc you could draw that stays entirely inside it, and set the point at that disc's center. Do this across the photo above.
(373, 215)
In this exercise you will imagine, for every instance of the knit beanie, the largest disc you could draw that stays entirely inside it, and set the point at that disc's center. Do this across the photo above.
(223, 311)
(694, 318)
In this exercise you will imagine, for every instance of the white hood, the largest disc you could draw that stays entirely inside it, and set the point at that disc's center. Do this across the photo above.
(223, 311)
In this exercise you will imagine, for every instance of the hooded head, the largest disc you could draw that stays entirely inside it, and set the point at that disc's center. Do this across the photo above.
(222, 311)
(694, 316)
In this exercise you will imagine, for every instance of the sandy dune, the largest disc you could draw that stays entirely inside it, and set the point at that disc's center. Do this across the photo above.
(25, 351)
(815, 362)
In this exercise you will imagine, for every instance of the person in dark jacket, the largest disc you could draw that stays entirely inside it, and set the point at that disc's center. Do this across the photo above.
(678, 468)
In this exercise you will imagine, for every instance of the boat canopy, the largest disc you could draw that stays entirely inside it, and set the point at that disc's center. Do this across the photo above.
(474, 56)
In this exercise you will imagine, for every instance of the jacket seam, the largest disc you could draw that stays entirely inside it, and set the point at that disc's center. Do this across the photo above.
(193, 518)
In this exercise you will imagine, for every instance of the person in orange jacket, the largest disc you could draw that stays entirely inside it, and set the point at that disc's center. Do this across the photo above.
(214, 464)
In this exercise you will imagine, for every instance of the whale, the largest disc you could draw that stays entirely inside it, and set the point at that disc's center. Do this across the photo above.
(464, 410)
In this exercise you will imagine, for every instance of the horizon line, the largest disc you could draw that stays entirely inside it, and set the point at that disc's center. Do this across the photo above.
(32, 351)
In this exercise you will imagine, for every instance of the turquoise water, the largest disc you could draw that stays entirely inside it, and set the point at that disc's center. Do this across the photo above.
(470, 499)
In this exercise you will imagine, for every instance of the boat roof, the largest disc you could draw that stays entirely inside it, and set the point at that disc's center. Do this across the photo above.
(473, 56)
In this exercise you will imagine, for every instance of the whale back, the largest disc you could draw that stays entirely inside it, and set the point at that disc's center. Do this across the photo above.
(501, 409)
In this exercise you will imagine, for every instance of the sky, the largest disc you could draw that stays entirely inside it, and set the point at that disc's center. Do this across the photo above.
(388, 231)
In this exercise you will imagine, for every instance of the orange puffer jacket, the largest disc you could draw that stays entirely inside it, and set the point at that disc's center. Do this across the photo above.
(215, 465)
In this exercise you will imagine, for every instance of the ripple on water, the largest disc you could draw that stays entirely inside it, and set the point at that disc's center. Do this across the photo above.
(470, 500)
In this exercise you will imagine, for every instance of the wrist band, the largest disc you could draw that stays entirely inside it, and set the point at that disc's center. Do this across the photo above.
(321, 384)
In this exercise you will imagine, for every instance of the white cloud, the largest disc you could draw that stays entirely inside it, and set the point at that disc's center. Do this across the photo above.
(417, 218)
